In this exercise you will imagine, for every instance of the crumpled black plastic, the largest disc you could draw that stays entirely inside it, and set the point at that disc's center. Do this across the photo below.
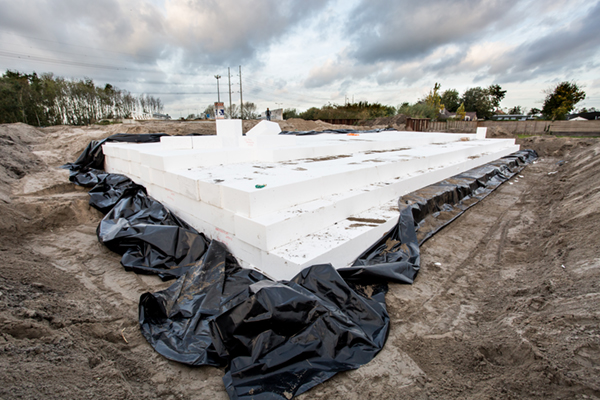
(277, 339)
(395, 257)
(340, 131)
(89, 166)
(149, 237)
(110, 189)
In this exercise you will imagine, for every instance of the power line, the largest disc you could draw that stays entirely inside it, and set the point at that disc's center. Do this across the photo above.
(30, 57)
(173, 93)
(75, 45)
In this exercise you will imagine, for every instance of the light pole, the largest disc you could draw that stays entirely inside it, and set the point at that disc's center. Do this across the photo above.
(218, 93)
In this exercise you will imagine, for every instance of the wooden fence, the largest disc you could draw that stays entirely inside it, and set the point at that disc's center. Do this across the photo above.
(559, 128)
(426, 125)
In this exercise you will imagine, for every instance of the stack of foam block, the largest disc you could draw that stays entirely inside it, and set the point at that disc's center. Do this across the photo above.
(280, 202)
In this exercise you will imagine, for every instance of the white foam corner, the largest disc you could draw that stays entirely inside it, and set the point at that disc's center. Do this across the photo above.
(264, 128)
(481, 132)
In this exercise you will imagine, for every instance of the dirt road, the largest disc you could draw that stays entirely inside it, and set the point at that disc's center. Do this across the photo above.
(506, 304)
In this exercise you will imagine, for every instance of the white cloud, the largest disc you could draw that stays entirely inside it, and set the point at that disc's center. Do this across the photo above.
(307, 52)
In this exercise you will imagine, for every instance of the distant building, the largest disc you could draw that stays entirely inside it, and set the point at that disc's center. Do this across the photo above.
(469, 116)
(513, 117)
(590, 116)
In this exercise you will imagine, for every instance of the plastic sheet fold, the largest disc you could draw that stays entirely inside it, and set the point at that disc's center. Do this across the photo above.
(277, 339)
(88, 167)
(149, 237)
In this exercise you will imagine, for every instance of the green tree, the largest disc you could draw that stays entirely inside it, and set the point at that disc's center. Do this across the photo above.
(290, 113)
(418, 110)
(360, 110)
(310, 114)
(478, 100)
(433, 99)
(496, 95)
(210, 111)
(48, 100)
(460, 112)
(451, 100)
(515, 110)
(561, 99)
(21, 98)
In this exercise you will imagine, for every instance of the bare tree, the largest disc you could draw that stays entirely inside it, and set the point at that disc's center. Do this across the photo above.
(249, 111)
(233, 111)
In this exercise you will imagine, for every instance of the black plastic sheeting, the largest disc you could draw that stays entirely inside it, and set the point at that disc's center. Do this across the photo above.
(149, 237)
(88, 168)
(275, 339)
(339, 131)
(396, 255)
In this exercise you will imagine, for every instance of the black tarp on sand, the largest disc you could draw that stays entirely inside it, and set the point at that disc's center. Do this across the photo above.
(275, 339)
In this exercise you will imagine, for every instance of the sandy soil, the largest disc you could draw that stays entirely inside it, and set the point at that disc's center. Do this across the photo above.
(506, 304)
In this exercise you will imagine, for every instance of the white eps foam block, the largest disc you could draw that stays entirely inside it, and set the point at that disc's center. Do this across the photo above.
(207, 142)
(481, 132)
(176, 142)
(230, 131)
(282, 203)
(264, 128)
(271, 142)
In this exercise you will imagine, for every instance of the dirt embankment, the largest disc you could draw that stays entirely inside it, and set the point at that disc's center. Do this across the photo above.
(209, 128)
(395, 122)
(505, 306)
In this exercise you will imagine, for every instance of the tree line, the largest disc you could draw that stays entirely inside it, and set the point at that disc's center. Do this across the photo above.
(560, 100)
(48, 100)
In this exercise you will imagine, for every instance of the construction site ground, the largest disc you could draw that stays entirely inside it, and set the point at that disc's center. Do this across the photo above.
(506, 305)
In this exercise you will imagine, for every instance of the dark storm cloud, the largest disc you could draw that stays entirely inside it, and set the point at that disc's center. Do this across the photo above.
(218, 32)
(391, 30)
(569, 47)
(76, 30)
(189, 32)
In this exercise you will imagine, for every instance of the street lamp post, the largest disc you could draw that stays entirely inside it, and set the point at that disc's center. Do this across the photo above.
(218, 93)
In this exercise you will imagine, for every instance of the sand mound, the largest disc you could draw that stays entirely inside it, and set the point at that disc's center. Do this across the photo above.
(397, 122)
(16, 158)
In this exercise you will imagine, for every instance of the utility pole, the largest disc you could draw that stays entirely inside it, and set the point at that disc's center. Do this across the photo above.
(241, 100)
(218, 93)
(229, 75)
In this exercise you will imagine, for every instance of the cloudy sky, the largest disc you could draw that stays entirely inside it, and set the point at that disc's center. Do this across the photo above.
(304, 53)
